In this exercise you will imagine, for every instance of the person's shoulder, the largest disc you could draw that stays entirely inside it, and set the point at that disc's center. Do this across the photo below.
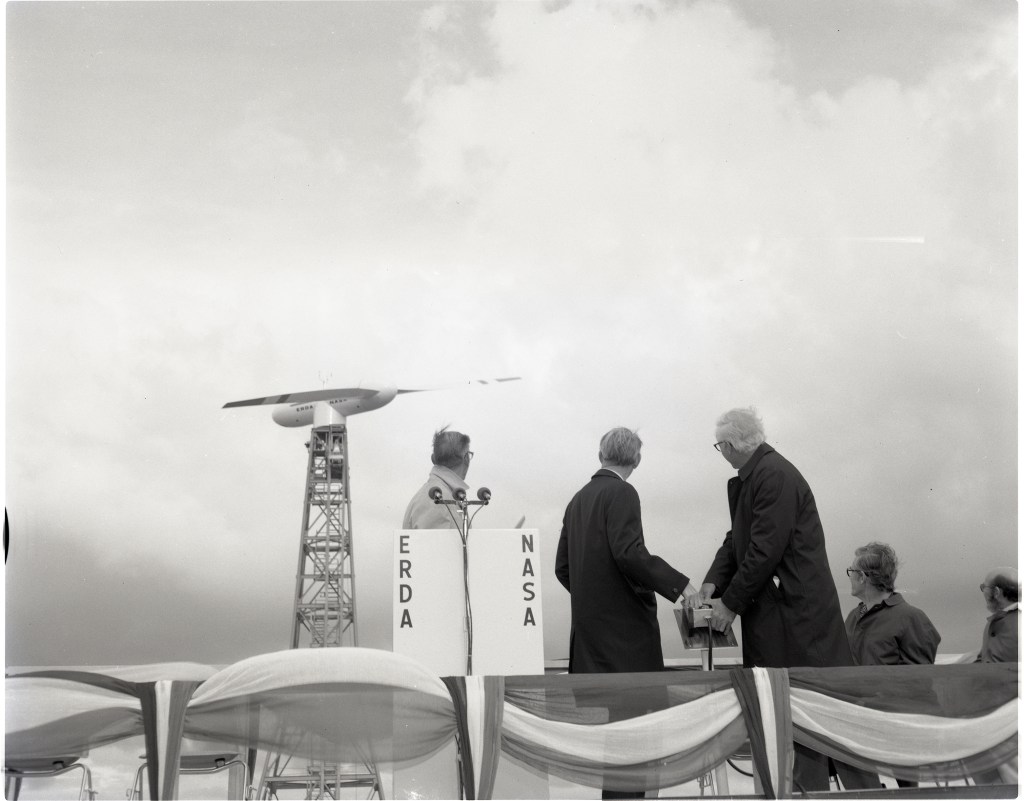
(605, 480)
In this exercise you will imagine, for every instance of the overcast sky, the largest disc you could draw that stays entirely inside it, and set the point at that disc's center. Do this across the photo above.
(651, 212)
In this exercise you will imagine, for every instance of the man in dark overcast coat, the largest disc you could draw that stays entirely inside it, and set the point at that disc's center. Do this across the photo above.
(611, 576)
(772, 571)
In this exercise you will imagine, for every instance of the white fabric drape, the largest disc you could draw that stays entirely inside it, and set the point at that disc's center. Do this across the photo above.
(296, 668)
(656, 735)
(766, 700)
(47, 717)
(901, 739)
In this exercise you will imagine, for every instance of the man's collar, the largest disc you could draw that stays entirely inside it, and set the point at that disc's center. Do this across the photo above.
(613, 470)
(449, 477)
(755, 457)
(1001, 613)
(892, 599)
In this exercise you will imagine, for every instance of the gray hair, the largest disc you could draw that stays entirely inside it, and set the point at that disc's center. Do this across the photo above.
(449, 448)
(879, 564)
(741, 428)
(621, 447)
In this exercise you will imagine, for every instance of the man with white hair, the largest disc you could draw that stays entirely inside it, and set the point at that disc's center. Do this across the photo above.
(1001, 590)
(611, 576)
(772, 571)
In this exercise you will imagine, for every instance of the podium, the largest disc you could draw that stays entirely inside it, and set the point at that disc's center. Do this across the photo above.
(497, 628)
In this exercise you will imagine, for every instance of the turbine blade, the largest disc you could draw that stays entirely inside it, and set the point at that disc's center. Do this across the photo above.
(304, 397)
(461, 384)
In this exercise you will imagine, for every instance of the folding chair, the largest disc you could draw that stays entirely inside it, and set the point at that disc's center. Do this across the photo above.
(16, 772)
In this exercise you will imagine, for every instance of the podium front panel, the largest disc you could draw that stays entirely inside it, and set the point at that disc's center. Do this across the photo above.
(429, 612)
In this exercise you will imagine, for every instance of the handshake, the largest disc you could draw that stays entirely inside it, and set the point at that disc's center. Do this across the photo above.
(706, 611)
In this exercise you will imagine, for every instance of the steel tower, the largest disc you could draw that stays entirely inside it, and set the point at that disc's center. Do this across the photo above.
(324, 611)
(324, 614)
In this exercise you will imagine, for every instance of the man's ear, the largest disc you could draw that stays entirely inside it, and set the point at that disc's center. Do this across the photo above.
(636, 463)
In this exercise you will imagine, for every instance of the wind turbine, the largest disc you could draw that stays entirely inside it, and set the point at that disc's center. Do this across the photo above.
(322, 407)
(325, 588)
(325, 598)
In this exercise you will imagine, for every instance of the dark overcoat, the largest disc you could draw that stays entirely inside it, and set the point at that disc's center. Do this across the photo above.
(612, 579)
(773, 571)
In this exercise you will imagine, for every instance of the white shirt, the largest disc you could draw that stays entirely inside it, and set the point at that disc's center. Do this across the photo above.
(422, 512)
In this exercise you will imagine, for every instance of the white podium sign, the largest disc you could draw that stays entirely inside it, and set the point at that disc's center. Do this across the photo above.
(430, 609)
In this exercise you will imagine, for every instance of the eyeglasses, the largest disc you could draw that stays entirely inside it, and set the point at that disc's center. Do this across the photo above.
(851, 570)
(469, 455)
(984, 587)
(718, 445)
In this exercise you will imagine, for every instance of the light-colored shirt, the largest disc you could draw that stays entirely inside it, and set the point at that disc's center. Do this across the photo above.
(422, 512)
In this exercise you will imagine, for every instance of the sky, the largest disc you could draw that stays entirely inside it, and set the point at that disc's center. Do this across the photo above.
(650, 212)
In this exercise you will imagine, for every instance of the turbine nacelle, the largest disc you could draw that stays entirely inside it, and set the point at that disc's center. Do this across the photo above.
(334, 410)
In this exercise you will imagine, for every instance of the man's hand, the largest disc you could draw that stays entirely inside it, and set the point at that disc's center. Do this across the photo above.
(694, 599)
(721, 616)
(690, 597)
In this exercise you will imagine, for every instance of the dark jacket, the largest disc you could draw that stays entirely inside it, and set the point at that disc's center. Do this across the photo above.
(612, 579)
(999, 640)
(892, 632)
(776, 534)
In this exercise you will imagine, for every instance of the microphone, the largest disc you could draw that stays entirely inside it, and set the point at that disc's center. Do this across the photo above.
(484, 494)
(434, 493)
(459, 494)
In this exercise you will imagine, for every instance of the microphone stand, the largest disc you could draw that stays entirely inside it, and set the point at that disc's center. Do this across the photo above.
(462, 503)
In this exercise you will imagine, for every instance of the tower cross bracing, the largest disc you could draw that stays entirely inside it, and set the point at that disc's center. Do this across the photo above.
(325, 604)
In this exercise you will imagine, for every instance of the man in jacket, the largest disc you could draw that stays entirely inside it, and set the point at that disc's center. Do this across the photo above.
(610, 575)
(772, 571)
(999, 642)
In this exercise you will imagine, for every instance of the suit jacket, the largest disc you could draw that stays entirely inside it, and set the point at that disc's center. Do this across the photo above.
(776, 535)
(612, 579)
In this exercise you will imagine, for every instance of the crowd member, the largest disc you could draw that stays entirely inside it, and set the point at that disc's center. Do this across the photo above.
(884, 629)
(999, 641)
(451, 457)
(772, 570)
(611, 576)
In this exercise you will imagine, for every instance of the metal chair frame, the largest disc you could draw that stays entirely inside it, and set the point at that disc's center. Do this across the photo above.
(197, 764)
(14, 775)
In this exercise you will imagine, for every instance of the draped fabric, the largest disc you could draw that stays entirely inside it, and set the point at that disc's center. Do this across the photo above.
(49, 716)
(639, 731)
(774, 702)
(917, 722)
(623, 731)
(61, 713)
(352, 705)
(764, 700)
(163, 715)
(479, 704)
